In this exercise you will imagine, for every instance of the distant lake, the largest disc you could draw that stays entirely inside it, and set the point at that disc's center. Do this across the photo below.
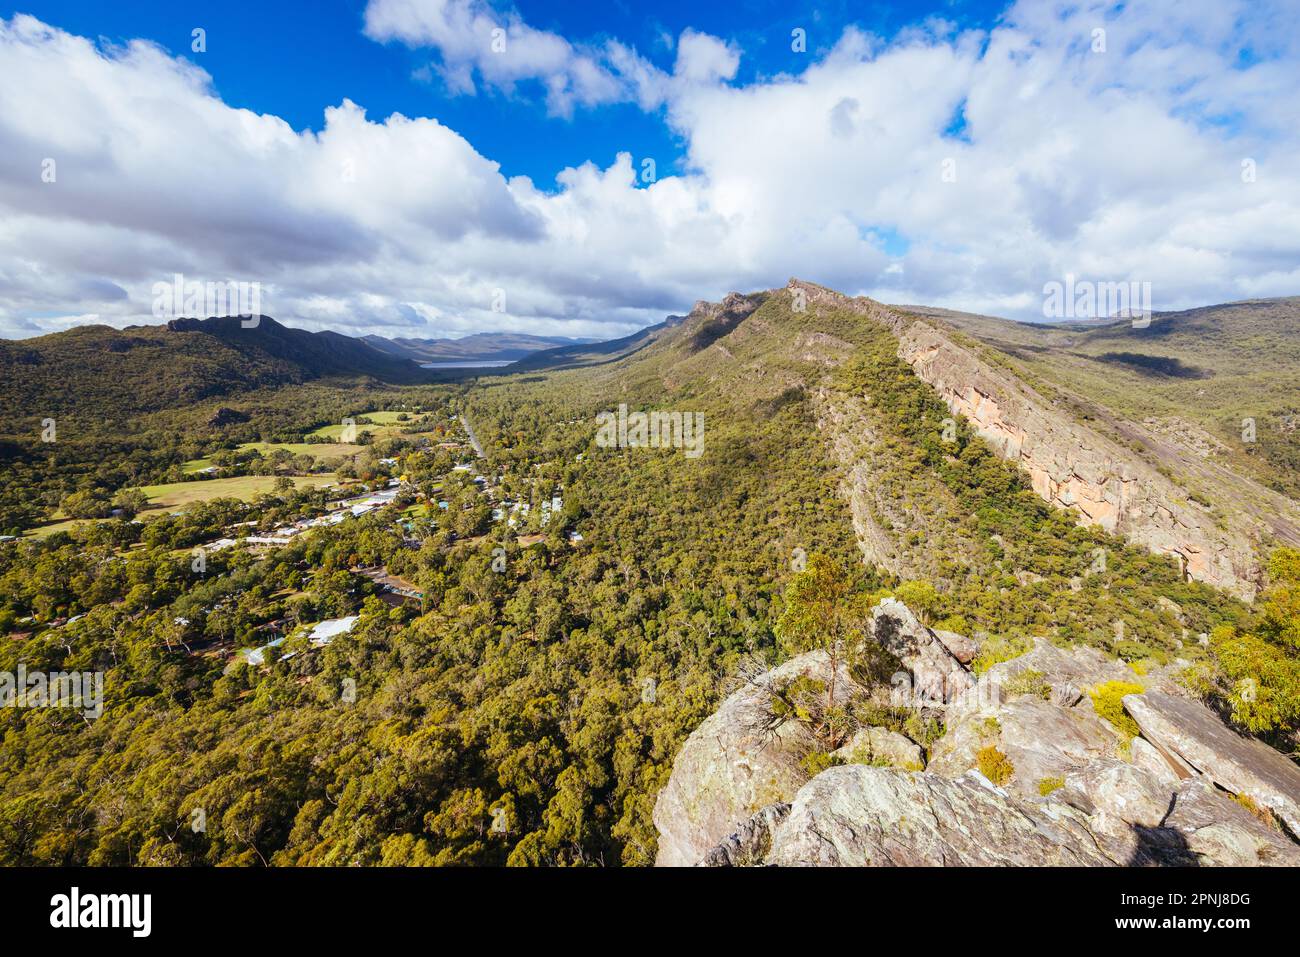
(467, 364)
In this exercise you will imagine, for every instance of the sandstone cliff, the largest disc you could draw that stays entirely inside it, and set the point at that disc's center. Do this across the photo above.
(1072, 464)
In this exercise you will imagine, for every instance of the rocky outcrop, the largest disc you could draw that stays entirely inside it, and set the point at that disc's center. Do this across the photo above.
(1194, 734)
(1035, 709)
(1041, 740)
(742, 758)
(860, 816)
(1218, 830)
(1073, 465)
(1114, 814)
(880, 746)
(225, 416)
(710, 321)
(1071, 788)
(1067, 673)
(734, 764)
(937, 676)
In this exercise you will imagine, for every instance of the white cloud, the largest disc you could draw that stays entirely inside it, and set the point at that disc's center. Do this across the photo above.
(474, 39)
(1115, 165)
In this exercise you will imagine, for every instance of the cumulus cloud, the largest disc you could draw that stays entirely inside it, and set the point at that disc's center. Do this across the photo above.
(959, 168)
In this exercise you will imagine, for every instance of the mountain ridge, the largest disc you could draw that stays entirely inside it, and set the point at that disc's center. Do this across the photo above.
(141, 369)
(489, 346)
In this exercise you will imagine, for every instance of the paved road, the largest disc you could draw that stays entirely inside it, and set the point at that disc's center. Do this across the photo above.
(473, 439)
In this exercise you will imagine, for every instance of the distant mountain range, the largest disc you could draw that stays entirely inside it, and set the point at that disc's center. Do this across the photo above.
(147, 368)
(485, 346)
(590, 351)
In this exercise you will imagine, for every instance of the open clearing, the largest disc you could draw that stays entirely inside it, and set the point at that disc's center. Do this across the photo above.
(178, 494)
(317, 450)
(382, 425)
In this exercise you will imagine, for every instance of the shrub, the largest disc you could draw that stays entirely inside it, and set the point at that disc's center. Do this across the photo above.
(1251, 805)
(920, 596)
(994, 765)
(1029, 682)
(924, 731)
(1108, 701)
(797, 699)
(997, 649)
(1047, 785)
(815, 762)
(1262, 679)
(958, 623)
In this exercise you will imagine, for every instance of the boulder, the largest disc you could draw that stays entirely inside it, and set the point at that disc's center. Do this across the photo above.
(734, 764)
(937, 676)
(750, 843)
(962, 648)
(1193, 734)
(880, 746)
(1219, 831)
(862, 816)
(1126, 807)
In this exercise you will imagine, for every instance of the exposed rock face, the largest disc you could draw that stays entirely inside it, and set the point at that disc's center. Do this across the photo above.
(1219, 831)
(1073, 465)
(1145, 817)
(1035, 709)
(732, 766)
(1076, 468)
(1040, 739)
(750, 843)
(937, 676)
(1194, 734)
(882, 747)
(860, 816)
(1076, 795)
(1110, 814)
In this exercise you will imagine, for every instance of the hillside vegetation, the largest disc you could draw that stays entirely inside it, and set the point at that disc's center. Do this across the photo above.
(1219, 381)
(528, 708)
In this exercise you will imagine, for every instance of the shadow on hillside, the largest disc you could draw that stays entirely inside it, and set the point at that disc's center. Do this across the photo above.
(1162, 366)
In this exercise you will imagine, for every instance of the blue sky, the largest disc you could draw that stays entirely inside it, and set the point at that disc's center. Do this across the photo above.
(383, 166)
(293, 59)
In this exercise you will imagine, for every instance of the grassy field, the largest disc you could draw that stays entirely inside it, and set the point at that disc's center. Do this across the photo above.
(382, 425)
(317, 450)
(179, 494)
(44, 531)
